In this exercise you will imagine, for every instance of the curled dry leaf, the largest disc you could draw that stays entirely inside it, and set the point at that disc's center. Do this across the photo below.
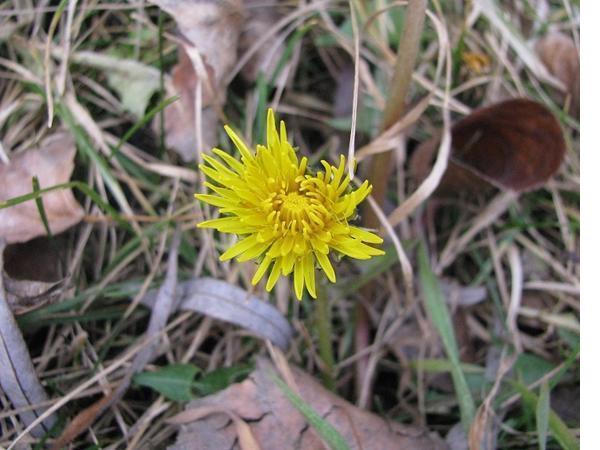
(34, 273)
(560, 55)
(18, 378)
(515, 145)
(213, 29)
(276, 424)
(232, 304)
(52, 163)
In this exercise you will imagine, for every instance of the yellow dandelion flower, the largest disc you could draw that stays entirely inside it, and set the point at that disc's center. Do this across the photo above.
(286, 216)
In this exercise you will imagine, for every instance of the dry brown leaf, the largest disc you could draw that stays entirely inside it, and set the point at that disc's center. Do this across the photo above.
(515, 145)
(52, 163)
(560, 55)
(260, 16)
(83, 420)
(276, 424)
(180, 118)
(213, 29)
(34, 273)
(18, 377)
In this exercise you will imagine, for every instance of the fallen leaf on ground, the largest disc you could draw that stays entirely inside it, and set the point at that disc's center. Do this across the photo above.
(560, 55)
(261, 15)
(229, 303)
(18, 378)
(274, 423)
(52, 163)
(34, 273)
(515, 145)
(213, 29)
(180, 118)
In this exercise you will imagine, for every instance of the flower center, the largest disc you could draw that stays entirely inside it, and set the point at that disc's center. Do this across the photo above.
(294, 206)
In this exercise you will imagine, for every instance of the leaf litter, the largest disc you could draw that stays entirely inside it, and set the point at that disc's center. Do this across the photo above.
(263, 408)
(408, 366)
(52, 162)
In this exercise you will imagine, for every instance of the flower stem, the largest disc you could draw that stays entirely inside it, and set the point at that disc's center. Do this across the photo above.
(323, 320)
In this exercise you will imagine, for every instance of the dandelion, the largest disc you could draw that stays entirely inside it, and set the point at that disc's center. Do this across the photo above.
(288, 217)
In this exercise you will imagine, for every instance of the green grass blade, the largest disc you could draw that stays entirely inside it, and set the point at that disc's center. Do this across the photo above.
(436, 306)
(542, 415)
(40, 205)
(327, 432)
(558, 428)
(84, 188)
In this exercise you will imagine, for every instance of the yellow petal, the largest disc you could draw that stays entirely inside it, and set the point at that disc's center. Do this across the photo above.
(239, 144)
(364, 235)
(326, 266)
(254, 251)
(309, 274)
(299, 278)
(262, 268)
(239, 247)
(272, 137)
(274, 275)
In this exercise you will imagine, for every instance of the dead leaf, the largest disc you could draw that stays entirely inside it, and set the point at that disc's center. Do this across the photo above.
(52, 163)
(232, 304)
(213, 29)
(18, 378)
(260, 16)
(560, 55)
(180, 117)
(34, 273)
(83, 420)
(515, 145)
(276, 424)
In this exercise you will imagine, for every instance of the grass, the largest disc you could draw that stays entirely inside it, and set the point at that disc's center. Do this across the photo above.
(434, 362)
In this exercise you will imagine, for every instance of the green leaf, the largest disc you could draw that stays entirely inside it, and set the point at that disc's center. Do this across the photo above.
(532, 367)
(175, 382)
(542, 414)
(436, 306)
(221, 378)
(323, 428)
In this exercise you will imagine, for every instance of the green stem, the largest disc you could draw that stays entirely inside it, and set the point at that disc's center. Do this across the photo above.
(324, 329)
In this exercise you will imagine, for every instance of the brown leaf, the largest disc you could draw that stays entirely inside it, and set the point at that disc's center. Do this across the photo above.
(83, 420)
(261, 15)
(34, 273)
(18, 377)
(514, 145)
(559, 54)
(180, 117)
(276, 424)
(52, 163)
(213, 29)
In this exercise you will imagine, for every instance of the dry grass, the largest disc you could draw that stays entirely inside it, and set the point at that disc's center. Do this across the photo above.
(522, 249)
